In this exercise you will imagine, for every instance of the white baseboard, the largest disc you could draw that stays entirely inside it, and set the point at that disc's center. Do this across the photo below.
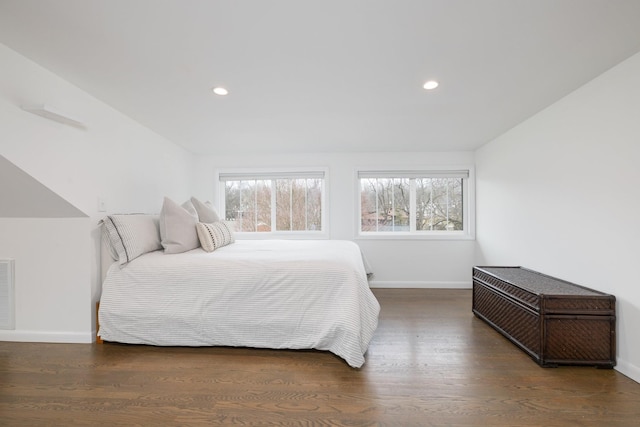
(418, 285)
(48, 337)
(627, 369)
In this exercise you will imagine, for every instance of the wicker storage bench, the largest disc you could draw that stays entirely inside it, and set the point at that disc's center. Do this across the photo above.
(553, 321)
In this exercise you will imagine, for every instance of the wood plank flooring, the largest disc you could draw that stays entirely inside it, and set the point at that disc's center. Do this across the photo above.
(431, 363)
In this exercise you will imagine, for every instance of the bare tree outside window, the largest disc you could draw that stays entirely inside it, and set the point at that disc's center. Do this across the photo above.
(298, 204)
(439, 204)
(408, 204)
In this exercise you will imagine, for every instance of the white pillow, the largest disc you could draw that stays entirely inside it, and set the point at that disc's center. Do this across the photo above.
(214, 236)
(130, 236)
(178, 227)
(206, 211)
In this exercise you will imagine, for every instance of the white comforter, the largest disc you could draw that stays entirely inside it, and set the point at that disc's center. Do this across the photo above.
(266, 293)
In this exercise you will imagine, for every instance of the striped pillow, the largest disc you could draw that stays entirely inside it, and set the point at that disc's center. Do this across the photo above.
(215, 235)
(130, 236)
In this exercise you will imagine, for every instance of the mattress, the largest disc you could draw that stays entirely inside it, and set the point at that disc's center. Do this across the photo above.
(281, 294)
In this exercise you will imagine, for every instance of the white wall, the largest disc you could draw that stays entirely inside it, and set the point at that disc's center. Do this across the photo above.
(52, 271)
(111, 157)
(559, 194)
(397, 263)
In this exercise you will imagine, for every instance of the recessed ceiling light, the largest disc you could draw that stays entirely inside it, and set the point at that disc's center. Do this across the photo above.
(220, 91)
(431, 84)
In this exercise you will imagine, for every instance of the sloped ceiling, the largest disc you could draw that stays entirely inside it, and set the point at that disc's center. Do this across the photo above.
(331, 75)
(22, 196)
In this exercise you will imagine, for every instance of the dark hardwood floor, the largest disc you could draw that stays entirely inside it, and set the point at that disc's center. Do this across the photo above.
(431, 363)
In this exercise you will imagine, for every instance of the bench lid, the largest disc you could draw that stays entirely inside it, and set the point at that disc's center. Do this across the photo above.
(538, 283)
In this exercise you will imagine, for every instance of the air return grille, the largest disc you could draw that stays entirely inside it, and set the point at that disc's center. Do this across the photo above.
(6, 294)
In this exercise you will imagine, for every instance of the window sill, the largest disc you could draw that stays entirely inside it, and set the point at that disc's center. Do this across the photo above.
(283, 235)
(414, 236)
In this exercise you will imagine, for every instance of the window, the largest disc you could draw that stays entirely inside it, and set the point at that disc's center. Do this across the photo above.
(415, 203)
(272, 202)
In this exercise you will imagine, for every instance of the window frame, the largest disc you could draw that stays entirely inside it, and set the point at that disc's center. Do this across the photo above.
(271, 174)
(468, 201)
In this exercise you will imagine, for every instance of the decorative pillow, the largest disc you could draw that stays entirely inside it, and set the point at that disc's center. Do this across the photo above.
(215, 235)
(178, 227)
(130, 236)
(206, 211)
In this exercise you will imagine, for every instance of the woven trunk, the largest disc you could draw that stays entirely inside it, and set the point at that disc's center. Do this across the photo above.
(553, 321)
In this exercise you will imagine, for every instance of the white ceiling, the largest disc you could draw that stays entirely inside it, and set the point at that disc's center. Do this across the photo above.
(325, 75)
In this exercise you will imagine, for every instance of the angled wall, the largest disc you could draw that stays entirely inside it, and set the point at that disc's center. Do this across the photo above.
(558, 194)
(22, 196)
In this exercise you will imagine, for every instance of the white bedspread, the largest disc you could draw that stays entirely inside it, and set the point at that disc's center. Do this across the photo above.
(293, 294)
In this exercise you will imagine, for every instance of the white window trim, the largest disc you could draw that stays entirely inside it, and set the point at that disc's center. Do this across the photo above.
(469, 201)
(277, 172)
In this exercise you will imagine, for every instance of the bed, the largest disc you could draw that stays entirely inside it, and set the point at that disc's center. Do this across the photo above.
(279, 294)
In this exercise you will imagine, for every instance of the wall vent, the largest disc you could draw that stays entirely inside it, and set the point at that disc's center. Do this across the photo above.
(7, 318)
